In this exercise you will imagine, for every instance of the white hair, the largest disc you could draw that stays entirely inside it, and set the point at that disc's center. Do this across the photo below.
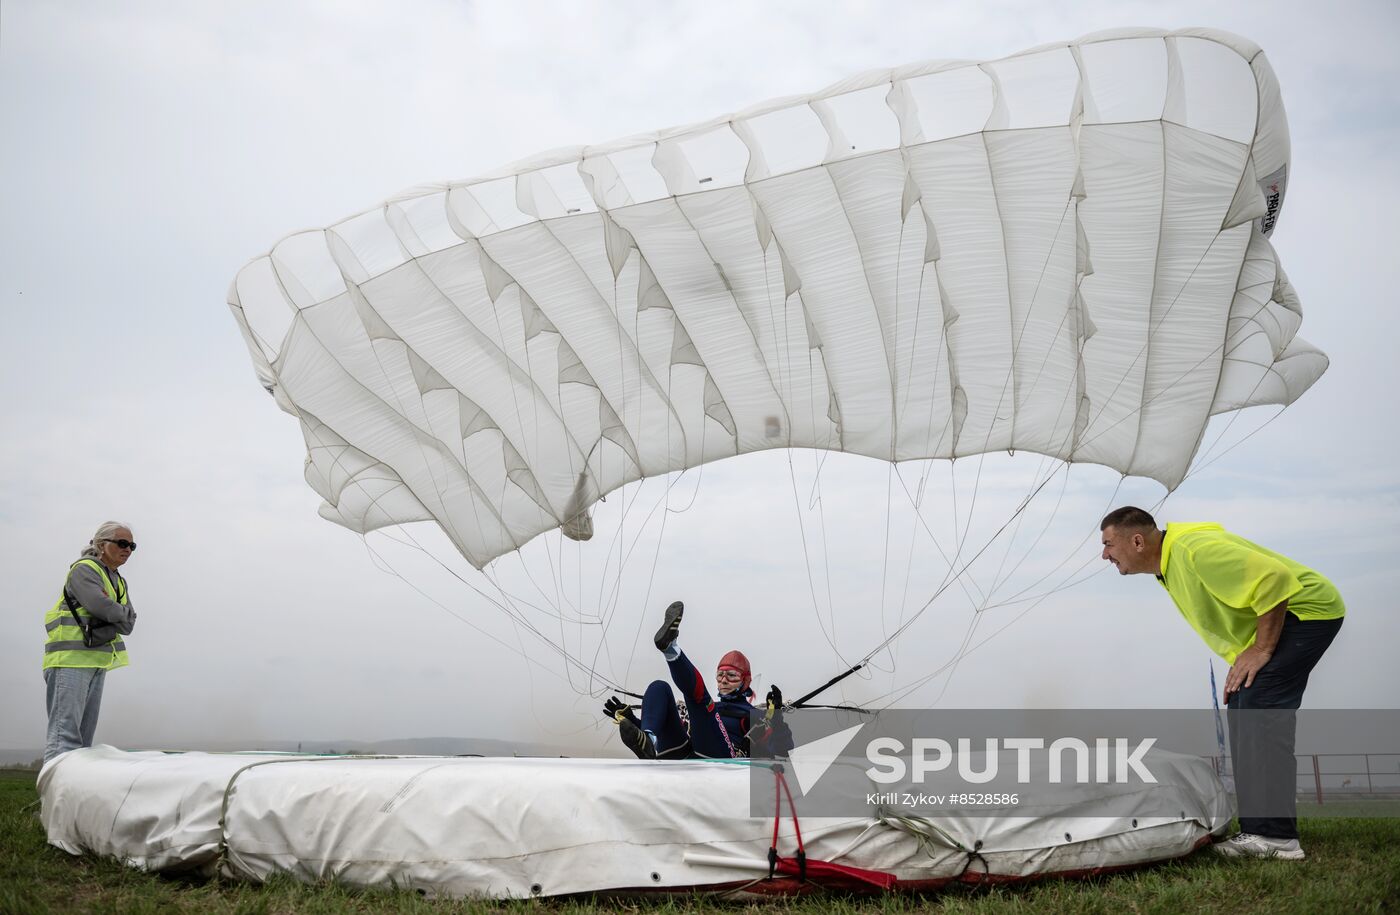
(104, 532)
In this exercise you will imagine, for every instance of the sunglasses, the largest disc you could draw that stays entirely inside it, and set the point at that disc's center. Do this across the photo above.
(124, 544)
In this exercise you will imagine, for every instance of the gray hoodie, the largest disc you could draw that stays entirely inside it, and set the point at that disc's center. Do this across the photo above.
(85, 586)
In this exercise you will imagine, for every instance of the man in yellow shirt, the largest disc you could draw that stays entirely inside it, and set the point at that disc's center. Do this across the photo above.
(1271, 619)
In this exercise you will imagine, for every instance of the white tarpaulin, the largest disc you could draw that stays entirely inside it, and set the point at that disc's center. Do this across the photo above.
(503, 828)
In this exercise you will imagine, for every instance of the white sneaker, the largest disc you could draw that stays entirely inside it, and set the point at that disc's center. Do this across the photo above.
(1246, 845)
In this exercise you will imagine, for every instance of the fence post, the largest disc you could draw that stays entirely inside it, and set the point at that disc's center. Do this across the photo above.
(1317, 779)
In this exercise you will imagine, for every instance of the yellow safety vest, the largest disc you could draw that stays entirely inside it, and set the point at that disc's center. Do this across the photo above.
(1222, 584)
(65, 648)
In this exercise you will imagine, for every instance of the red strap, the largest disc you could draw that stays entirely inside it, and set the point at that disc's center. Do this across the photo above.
(805, 867)
(829, 870)
(797, 829)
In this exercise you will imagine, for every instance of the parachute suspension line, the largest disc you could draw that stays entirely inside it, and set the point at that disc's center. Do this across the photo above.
(785, 391)
(984, 599)
(819, 503)
(1059, 500)
(971, 512)
(818, 465)
(555, 606)
(1069, 583)
(1203, 464)
(1069, 432)
(1010, 380)
(943, 587)
(1006, 555)
(987, 604)
(616, 541)
(896, 411)
(505, 608)
(829, 636)
(897, 408)
(699, 479)
(885, 557)
(814, 501)
(623, 551)
(899, 695)
(671, 481)
(622, 417)
(1205, 459)
(519, 620)
(1003, 574)
(909, 557)
(1142, 352)
(917, 500)
(1019, 509)
(1019, 333)
(784, 378)
(513, 599)
(1019, 596)
(608, 608)
(556, 579)
(903, 406)
(651, 578)
(1044, 268)
(923, 524)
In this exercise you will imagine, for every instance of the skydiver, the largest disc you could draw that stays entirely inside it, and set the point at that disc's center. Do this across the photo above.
(728, 728)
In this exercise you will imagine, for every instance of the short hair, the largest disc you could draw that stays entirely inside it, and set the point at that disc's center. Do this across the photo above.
(104, 532)
(1127, 516)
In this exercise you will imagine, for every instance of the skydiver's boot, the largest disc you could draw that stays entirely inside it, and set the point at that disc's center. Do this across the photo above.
(635, 739)
(670, 626)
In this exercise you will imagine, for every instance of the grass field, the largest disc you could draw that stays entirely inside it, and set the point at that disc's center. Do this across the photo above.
(1353, 865)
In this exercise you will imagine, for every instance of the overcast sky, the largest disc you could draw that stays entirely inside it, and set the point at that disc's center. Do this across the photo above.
(150, 149)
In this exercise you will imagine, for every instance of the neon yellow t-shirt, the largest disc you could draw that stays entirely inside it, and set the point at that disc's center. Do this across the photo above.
(1222, 584)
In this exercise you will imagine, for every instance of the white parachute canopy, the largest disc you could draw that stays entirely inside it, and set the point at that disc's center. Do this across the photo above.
(1064, 251)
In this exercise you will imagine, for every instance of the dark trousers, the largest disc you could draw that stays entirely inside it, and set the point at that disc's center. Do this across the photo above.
(661, 716)
(1263, 722)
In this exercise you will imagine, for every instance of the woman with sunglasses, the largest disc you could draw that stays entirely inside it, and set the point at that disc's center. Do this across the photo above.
(85, 629)
(725, 728)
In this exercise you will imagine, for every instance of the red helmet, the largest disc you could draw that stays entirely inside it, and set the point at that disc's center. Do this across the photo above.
(735, 660)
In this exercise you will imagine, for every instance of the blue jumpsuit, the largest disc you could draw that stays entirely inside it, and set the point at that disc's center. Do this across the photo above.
(718, 729)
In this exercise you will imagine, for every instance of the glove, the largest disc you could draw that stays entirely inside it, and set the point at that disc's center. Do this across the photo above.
(774, 701)
(616, 709)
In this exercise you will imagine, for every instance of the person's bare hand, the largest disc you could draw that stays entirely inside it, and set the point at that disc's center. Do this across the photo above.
(1241, 675)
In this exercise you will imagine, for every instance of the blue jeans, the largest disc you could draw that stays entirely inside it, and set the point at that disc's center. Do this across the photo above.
(1263, 722)
(73, 696)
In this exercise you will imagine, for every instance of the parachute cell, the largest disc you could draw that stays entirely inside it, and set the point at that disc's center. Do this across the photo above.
(1064, 252)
